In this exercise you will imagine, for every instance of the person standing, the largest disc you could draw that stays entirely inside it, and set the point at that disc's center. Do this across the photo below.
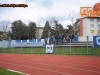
(69, 37)
(53, 39)
(72, 37)
(66, 37)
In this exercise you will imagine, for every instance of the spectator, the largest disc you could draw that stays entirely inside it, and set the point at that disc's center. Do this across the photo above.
(66, 37)
(69, 37)
(72, 37)
(53, 39)
(62, 38)
(50, 40)
(56, 37)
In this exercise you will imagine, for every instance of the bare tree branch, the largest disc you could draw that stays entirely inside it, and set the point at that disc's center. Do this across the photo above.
(4, 25)
(52, 20)
(73, 16)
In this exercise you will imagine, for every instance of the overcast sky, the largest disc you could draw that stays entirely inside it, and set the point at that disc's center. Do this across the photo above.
(41, 10)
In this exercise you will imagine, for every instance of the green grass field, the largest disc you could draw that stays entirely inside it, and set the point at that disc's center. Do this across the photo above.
(60, 51)
(6, 72)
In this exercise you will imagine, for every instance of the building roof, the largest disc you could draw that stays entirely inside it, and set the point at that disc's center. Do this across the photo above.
(84, 18)
(96, 7)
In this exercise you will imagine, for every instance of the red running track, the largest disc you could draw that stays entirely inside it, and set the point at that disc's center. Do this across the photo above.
(51, 64)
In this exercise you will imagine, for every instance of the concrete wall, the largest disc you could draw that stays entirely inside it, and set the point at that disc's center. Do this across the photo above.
(83, 39)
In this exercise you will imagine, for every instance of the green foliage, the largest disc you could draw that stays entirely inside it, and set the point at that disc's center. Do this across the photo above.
(58, 29)
(57, 50)
(32, 30)
(70, 29)
(18, 30)
(22, 32)
(5, 72)
(46, 30)
(1, 33)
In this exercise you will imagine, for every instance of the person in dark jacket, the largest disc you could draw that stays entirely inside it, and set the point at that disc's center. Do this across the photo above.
(72, 37)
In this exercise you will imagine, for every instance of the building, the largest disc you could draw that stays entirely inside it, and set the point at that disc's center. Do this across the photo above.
(87, 26)
(3, 36)
(39, 31)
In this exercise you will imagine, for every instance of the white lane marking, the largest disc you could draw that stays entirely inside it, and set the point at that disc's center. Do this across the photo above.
(67, 60)
(53, 62)
(17, 71)
(36, 68)
(54, 65)
(72, 67)
(65, 67)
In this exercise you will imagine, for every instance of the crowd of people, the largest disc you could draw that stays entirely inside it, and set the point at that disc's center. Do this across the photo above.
(60, 38)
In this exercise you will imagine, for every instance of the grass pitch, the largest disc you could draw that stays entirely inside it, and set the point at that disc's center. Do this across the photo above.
(56, 50)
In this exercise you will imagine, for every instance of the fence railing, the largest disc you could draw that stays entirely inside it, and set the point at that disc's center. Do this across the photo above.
(37, 46)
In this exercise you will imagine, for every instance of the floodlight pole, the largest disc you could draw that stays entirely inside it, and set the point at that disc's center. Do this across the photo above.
(4, 45)
(87, 44)
(4, 40)
(49, 35)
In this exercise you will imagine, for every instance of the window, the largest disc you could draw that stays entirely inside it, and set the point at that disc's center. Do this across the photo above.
(98, 19)
(99, 31)
(91, 19)
(92, 25)
(98, 25)
(92, 31)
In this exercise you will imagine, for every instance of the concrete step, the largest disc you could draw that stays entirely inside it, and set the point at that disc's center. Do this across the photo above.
(72, 45)
(75, 43)
(78, 42)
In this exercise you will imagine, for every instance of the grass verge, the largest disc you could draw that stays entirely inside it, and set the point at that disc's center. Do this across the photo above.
(6, 72)
(57, 50)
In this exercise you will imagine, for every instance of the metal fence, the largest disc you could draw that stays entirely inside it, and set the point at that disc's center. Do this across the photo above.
(64, 48)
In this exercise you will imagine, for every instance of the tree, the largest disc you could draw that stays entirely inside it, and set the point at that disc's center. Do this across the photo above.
(32, 30)
(51, 20)
(4, 26)
(73, 16)
(61, 30)
(70, 29)
(19, 30)
(57, 28)
(1, 35)
(46, 30)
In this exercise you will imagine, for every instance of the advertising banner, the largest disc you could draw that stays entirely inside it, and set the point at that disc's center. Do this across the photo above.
(49, 48)
(96, 41)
